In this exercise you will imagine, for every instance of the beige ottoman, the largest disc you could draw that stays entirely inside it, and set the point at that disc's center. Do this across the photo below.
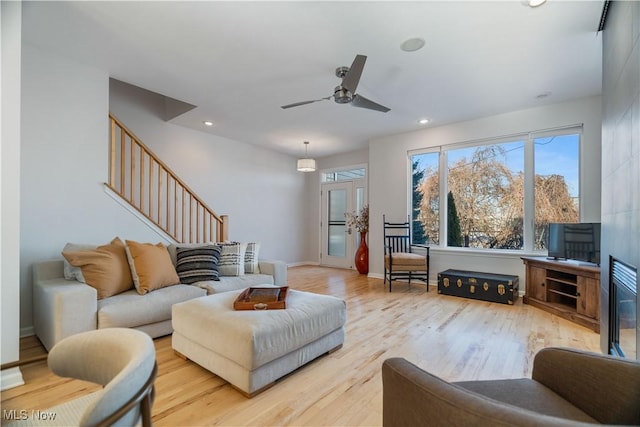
(252, 349)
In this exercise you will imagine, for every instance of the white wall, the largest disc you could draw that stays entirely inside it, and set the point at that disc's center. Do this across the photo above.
(389, 175)
(10, 191)
(64, 163)
(259, 189)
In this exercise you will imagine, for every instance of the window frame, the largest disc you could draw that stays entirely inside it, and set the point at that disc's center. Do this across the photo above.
(529, 182)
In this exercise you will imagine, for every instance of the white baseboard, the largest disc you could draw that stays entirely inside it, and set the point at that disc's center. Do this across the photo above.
(27, 332)
(301, 263)
(10, 378)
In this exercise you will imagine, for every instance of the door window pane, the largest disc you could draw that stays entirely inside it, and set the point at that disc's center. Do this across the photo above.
(344, 175)
(359, 199)
(557, 192)
(337, 204)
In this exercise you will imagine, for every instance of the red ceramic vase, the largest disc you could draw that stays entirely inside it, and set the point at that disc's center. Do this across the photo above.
(362, 255)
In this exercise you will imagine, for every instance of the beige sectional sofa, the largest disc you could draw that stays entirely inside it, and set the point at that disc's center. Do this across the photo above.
(64, 307)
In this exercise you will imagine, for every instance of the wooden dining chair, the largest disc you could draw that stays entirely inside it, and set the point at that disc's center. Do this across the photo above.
(400, 262)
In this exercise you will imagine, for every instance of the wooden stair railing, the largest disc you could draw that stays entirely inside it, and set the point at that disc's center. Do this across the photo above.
(147, 184)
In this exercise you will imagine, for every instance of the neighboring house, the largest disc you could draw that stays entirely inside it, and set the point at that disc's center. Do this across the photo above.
(63, 146)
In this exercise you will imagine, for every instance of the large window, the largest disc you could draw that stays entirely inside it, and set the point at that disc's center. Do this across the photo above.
(499, 194)
(557, 189)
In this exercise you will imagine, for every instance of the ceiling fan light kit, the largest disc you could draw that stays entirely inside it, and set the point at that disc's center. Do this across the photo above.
(306, 164)
(345, 93)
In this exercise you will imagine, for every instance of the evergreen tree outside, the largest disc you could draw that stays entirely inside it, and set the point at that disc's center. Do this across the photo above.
(418, 236)
(454, 235)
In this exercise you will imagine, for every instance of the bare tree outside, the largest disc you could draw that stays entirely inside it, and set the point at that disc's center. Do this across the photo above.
(482, 190)
(553, 204)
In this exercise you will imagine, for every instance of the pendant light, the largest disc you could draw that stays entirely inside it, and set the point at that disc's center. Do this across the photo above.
(306, 164)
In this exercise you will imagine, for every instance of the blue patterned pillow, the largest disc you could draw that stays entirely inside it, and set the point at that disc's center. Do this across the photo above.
(197, 264)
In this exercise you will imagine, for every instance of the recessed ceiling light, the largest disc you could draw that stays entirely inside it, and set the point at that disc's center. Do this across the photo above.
(536, 3)
(208, 123)
(423, 121)
(411, 45)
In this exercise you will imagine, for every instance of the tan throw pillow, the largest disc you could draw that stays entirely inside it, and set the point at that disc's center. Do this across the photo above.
(105, 268)
(71, 272)
(151, 266)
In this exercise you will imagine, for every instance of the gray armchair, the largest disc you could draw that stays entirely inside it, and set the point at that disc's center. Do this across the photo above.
(568, 388)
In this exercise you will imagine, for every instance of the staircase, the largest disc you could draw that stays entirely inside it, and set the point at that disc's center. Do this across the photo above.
(147, 184)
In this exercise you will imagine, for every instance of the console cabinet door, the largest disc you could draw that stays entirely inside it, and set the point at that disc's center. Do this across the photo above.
(537, 283)
(588, 297)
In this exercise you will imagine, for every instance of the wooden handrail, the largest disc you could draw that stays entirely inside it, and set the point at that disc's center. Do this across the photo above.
(145, 182)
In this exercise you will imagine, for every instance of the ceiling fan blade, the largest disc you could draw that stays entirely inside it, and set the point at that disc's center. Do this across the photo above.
(350, 81)
(362, 102)
(297, 104)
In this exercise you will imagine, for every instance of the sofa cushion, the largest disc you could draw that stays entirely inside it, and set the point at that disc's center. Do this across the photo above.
(130, 309)
(105, 268)
(197, 263)
(151, 266)
(232, 283)
(528, 394)
(232, 258)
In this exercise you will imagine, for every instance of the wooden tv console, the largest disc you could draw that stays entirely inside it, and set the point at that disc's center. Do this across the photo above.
(568, 289)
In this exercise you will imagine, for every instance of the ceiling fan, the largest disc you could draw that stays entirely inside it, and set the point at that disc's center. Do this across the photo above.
(345, 93)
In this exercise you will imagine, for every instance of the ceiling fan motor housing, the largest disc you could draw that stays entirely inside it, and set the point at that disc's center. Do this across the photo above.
(342, 95)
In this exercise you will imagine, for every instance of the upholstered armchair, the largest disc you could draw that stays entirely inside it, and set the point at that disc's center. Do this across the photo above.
(122, 361)
(568, 388)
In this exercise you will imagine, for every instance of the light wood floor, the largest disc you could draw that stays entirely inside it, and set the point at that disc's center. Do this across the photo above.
(455, 338)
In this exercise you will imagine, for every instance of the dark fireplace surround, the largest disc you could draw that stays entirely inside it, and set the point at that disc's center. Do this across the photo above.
(623, 302)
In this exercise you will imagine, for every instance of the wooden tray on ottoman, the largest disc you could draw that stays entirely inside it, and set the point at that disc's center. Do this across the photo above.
(259, 298)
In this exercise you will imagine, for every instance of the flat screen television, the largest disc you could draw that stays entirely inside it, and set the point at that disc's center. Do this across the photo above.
(577, 241)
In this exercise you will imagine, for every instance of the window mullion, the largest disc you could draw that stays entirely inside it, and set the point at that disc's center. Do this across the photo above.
(444, 189)
(529, 195)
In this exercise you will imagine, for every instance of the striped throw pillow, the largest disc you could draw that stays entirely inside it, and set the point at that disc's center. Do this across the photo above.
(251, 258)
(197, 264)
(232, 258)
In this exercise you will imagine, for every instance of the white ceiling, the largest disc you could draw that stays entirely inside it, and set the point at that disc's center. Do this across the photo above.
(238, 62)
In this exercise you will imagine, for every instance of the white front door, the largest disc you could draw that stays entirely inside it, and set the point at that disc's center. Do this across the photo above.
(338, 242)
